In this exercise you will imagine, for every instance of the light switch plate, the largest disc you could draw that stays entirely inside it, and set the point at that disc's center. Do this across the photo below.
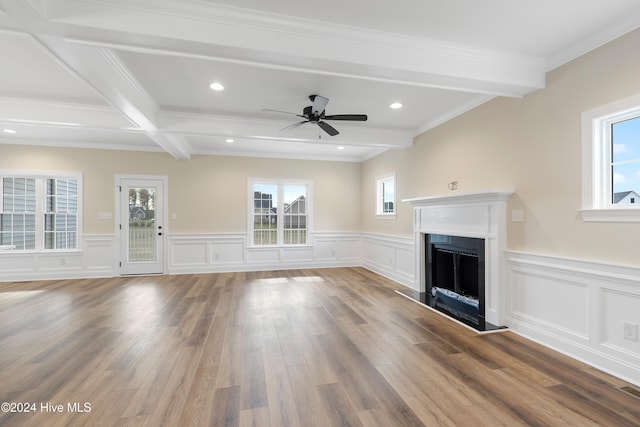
(517, 215)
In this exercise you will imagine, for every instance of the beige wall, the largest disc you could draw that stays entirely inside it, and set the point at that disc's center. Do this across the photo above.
(207, 193)
(532, 145)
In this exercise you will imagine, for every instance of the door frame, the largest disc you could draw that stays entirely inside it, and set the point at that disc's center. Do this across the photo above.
(119, 256)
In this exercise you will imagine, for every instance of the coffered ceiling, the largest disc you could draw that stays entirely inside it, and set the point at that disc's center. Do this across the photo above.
(135, 74)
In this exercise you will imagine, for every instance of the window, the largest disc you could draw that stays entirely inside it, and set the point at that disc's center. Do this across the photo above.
(18, 217)
(61, 214)
(386, 196)
(611, 162)
(625, 161)
(39, 212)
(280, 213)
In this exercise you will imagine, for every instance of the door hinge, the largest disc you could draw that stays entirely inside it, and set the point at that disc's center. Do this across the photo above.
(120, 263)
(120, 188)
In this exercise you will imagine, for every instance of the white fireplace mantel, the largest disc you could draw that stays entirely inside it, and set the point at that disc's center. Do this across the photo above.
(479, 214)
(455, 197)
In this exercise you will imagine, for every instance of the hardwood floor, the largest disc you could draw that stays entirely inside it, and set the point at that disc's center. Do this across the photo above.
(287, 348)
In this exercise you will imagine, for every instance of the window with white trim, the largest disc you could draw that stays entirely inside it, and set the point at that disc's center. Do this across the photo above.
(386, 196)
(39, 212)
(280, 212)
(611, 162)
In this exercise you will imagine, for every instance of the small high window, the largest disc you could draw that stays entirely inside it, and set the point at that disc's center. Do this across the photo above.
(386, 196)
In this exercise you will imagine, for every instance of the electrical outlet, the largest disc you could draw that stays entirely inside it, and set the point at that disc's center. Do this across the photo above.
(630, 331)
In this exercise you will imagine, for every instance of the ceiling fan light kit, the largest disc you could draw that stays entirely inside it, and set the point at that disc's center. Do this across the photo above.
(315, 113)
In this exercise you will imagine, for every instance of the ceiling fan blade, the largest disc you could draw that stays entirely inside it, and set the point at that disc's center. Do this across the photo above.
(279, 111)
(319, 104)
(328, 128)
(294, 125)
(353, 117)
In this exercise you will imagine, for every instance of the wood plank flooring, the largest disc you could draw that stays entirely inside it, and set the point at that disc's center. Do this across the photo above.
(319, 347)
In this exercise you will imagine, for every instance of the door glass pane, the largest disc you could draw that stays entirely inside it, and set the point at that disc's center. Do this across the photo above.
(142, 237)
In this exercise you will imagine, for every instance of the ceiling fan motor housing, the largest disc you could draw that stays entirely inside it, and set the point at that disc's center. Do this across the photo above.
(308, 113)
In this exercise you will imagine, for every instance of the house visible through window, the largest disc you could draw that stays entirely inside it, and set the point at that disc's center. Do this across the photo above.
(386, 196)
(280, 213)
(611, 162)
(39, 212)
(625, 161)
(61, 214)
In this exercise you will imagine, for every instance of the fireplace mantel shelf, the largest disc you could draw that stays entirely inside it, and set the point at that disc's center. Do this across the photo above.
(455, 197)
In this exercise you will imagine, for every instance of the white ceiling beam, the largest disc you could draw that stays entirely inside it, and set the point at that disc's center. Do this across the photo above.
(101, 70)
(259, 129)
(271, 39)
(38, 112)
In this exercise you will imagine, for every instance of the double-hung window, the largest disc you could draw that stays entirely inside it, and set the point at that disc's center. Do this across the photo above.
(611, 162)
(39, 212)
(18, 213)
(279, 213)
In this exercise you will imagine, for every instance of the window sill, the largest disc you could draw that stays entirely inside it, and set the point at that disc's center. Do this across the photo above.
(386, 216)
(7, 250)
(611, 215)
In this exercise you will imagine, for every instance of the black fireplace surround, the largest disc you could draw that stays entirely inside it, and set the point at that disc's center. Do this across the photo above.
(455, 278)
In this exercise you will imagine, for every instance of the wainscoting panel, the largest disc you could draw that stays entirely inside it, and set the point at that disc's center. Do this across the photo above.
(189, 252)
(208, 253)
(96, 259)
(588, 310)
(619, 308)
(554, 301)
(390, 256)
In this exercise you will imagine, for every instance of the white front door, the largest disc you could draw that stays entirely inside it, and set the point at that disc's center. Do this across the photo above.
(141, 225)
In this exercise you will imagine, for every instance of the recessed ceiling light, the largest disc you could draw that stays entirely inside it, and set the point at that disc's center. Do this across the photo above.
(216, 86)
(396, 105)
(8, 131)
(228, 140)
(341, 148)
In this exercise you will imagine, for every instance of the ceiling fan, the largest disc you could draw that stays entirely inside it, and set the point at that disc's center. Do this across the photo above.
(315, 114)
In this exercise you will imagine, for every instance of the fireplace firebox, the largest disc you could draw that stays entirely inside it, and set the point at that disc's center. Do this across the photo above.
(454, 277)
